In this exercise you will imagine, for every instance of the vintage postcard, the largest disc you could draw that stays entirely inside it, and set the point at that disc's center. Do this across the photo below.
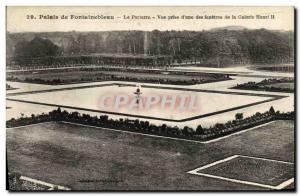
(150, 98)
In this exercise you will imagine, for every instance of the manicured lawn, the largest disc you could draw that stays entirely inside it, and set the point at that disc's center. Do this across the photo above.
(251, 169)
(85, 158)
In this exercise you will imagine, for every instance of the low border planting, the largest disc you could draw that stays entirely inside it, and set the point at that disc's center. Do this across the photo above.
(199, 134)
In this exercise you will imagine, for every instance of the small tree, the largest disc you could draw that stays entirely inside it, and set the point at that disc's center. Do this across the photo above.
(239, 116)
(199, 130)
(272, 111)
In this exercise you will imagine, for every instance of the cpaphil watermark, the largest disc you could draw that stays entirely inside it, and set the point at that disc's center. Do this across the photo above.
(139, 102)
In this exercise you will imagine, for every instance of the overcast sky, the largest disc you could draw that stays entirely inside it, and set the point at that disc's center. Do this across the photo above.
(17, 20)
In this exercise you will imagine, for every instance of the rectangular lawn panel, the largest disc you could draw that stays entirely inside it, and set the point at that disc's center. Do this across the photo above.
(252, 170)
(208, 102)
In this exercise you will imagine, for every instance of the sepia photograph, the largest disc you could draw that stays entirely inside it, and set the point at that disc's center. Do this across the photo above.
(128, 98)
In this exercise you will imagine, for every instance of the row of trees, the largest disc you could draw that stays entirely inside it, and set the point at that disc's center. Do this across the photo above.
(213, 47)
(36, 48)
(200, 133)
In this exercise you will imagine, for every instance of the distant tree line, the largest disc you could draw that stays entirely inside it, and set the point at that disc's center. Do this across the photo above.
(200, 133)
(36, 48)
(212, 48)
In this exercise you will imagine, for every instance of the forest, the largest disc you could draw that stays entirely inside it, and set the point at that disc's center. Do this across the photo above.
(216, 47)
